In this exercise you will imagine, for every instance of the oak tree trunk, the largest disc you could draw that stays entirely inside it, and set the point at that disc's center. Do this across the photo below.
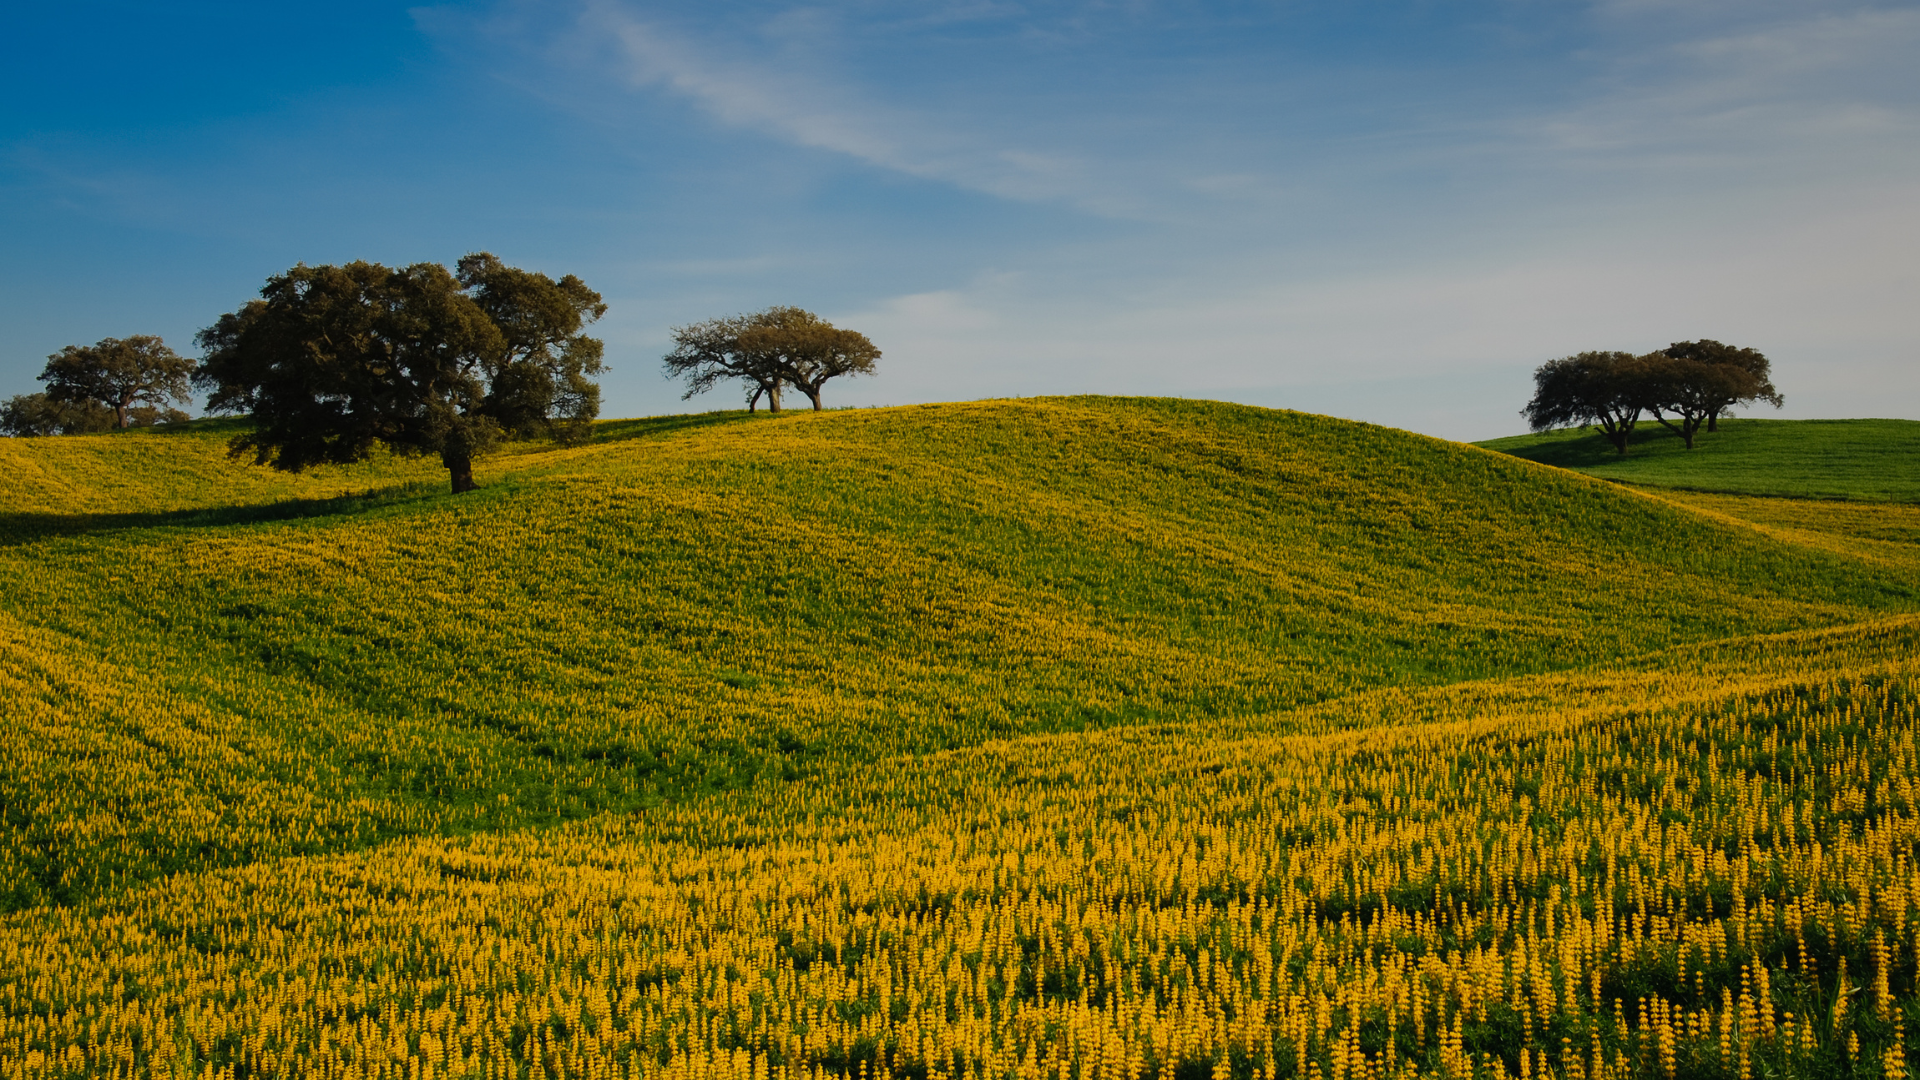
(461, 471)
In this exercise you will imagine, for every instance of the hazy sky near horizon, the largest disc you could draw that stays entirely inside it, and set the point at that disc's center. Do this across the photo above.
(1388, 211)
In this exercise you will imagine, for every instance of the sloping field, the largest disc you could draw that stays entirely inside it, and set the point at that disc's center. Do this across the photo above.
(1083, 739)
(1870, 460)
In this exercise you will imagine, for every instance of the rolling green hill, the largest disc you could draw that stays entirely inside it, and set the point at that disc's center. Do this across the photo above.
(722, 745)
(679, 606)
(1874, 460)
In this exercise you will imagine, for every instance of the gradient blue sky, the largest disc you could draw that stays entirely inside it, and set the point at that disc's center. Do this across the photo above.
(1386, 211)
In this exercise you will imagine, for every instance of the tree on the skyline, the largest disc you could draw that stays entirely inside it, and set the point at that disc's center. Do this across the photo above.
(768, 350)
(805, 350)
(709, 353)
(1599, 388)
(1685, 386)
(541, 383)
(332, 361)
(1755, 385)
(1692, 392)
(121, 375)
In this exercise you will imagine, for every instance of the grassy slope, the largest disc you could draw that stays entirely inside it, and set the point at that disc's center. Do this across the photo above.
(1098, 897)
(1371, 669)
(689, 603)
(1875, 460)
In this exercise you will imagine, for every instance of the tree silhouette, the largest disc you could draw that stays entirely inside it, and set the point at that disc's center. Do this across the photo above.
(334, 360)
(781, 346)
(1600, 388)
(120, 374)
(1754, 383)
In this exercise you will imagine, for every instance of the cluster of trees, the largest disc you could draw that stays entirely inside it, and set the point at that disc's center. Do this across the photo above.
(114, 383)
(1684, 386)
(768, 350)
(332, 361)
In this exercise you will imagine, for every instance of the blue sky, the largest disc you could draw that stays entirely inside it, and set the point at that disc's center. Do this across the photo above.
(1387, 211)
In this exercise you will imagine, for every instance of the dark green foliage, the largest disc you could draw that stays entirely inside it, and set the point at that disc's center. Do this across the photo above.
(334, 360)
(38, 414)
(1744, 376)
(1694, 381)
(124, 376)
(541, 385)
(1600, 388)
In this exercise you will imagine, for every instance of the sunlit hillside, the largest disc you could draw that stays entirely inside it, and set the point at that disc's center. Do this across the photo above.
(1080, 738)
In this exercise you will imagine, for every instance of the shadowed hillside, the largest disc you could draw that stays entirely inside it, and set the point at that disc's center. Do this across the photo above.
(1870, 460)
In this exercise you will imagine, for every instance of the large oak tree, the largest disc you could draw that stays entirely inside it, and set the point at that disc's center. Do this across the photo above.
(333, 361)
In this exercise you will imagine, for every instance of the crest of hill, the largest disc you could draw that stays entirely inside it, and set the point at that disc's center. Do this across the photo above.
(312, 663)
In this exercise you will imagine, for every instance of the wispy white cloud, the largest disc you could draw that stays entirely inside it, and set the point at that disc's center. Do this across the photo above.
(1691, 169)
(1780, 85)
(778, 90)
(1771, 90)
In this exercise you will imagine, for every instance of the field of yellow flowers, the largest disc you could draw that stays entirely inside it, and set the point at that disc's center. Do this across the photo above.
(1073, 739)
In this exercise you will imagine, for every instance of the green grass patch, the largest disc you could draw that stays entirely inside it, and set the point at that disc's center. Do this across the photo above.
(1870, 460)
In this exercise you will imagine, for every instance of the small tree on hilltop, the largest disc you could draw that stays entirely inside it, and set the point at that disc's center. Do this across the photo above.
(1754, 381)
(1693, 391)
(708, 353)
(333, 360)
(1599, 388)
(781, 346)
(806, 350)
(120, 374)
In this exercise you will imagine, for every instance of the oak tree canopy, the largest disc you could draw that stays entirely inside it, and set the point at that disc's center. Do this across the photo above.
(766, 351)
(332, 361)
(1686, 385)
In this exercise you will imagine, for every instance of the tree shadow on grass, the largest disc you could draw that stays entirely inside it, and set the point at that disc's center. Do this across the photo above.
(25, 528)
(1589, 448)
(28, 527)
